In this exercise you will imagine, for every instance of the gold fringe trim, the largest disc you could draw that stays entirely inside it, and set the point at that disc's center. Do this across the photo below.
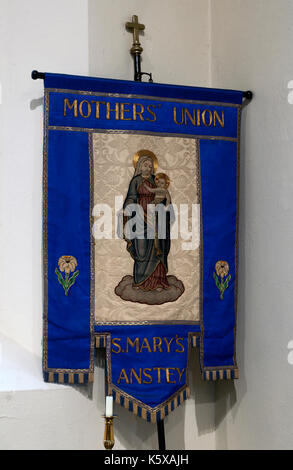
(194, 339)
(117, 398)
(144, 411)
(221, 374)
(61, 378)
(101, 340)
(69, 377)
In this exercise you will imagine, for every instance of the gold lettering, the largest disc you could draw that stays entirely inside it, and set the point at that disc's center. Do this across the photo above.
(175, 116)
(132, 344)
(70, 106)
(159, 373)
(117, 345)
(155, 345)
(204, 117)
(168, 373)
(98, 107)
(123, 110)
(151, 112)
(145, 375)
(168, 343)
(198, 117)
(180, 373)
(145, 345)
(192, 118)
(89, 109)
(115, 110)
(179, 344)
(138, 113)
(123, 376)
(132, 372)
(221, 121)
(148, 376)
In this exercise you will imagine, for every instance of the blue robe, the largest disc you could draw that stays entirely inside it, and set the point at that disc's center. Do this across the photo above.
(146, 252)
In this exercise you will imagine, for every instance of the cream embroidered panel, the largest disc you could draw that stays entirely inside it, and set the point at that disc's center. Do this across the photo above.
(113, 170)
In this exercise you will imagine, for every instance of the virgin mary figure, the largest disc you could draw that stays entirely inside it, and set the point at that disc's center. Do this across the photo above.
(149, 252)
(148, 245)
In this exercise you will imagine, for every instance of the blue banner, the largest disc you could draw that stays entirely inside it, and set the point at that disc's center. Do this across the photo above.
(140, 227)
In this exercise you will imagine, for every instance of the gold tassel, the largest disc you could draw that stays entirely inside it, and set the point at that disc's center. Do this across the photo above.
(80, 378)
(61, 378)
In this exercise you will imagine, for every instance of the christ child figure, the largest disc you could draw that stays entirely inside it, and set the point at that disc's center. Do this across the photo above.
(161, 192)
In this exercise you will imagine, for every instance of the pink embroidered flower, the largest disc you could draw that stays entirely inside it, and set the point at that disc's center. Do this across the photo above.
(67, 264)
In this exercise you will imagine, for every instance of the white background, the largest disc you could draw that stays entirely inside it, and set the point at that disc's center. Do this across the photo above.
(224, 43)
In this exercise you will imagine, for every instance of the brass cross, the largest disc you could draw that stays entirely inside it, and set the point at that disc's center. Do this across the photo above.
(136, 27)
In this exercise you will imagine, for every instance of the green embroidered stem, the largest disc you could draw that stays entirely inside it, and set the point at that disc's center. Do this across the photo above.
(222, 289)
(68, 281)
(66, 284)
(223, 285)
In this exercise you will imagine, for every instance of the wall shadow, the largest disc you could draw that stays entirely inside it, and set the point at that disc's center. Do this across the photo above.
(34, 104)
(203, 394)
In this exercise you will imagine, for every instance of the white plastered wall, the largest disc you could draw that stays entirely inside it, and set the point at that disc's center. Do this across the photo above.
(252, 48)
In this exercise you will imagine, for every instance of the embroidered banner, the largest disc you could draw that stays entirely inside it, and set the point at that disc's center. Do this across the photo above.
(140, 236)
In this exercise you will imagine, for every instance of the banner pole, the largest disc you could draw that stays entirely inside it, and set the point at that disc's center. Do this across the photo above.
(135, 27)
(161, 435)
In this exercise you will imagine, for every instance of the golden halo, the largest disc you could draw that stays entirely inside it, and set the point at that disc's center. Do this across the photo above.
(163, 176)
(145, 153)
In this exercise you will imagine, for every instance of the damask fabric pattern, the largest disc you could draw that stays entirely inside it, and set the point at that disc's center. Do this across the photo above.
(113, 169)
(149, 300)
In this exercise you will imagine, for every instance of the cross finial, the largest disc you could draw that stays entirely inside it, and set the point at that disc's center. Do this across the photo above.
(135, 27)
